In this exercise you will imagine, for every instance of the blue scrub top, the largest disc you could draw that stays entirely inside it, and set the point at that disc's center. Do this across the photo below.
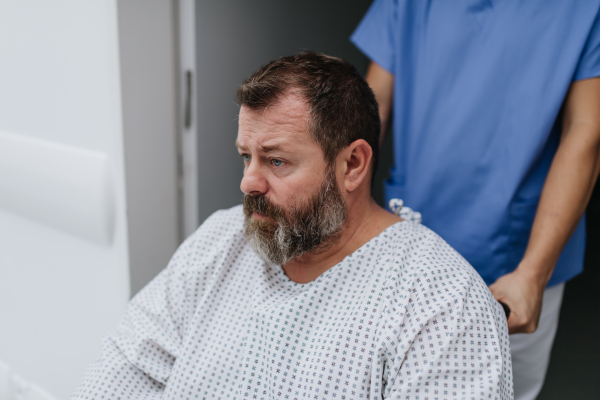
(478, 90)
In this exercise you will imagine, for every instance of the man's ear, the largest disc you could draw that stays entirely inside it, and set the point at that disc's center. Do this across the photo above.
(355, 162)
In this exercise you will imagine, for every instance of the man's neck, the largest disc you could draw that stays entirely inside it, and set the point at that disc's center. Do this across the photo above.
(364, 222)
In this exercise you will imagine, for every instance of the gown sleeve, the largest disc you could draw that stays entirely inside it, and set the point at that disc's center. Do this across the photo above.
(137, 360)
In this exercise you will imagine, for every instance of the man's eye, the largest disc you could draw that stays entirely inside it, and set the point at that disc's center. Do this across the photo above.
(277, 163)
(245, 157)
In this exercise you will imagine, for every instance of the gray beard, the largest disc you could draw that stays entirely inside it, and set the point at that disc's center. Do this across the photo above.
(312, 226)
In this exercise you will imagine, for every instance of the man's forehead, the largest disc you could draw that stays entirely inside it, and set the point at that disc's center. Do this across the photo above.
(270, 141)
(289, 108)
(279, 124)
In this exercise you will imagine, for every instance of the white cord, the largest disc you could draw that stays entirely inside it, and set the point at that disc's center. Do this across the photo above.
(397, 207)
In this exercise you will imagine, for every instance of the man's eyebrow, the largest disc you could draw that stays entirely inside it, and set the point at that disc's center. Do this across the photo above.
(239, 145)
(266, 149)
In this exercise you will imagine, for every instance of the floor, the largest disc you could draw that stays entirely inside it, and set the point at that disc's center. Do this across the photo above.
(574, 371)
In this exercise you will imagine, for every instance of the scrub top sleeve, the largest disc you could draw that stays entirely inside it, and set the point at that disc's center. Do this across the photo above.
(589, 64)
(376, 34)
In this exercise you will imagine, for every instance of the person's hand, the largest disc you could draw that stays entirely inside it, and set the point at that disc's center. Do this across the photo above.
(523, 294)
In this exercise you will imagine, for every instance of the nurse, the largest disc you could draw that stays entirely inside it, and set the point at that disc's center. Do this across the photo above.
(496, 120)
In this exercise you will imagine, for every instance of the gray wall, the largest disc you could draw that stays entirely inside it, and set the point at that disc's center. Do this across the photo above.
(233, 39)
(148, 94)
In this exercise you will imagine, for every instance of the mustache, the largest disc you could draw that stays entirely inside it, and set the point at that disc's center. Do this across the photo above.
(262, 205)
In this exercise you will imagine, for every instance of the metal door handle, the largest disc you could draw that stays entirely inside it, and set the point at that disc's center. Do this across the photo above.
(187, 120)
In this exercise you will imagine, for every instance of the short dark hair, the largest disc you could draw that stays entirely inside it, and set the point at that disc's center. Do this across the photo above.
(342, 105)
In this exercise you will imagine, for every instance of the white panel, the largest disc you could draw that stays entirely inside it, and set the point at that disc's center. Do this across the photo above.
(61, 290)
(56, 76)
(6, 389)
(63, 186)
(14, 387)
(59, 295)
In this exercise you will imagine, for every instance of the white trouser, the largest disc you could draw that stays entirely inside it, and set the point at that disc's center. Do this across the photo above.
(531, 352)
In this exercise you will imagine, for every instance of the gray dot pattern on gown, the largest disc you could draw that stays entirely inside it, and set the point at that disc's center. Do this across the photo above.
(403, 317)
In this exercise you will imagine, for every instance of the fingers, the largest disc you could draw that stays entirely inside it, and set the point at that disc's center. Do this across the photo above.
(524, 321)
(522, 299)
(524, 316)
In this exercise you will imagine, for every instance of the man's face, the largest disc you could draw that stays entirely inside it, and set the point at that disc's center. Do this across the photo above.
(292, 201)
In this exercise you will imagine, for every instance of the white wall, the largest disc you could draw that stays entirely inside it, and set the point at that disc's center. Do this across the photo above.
(64, 263)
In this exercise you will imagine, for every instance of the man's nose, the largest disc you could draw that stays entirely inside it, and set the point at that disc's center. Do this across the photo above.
(253, 182)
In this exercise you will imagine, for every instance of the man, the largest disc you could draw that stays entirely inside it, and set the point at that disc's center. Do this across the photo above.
(310, 290)
(496, 122)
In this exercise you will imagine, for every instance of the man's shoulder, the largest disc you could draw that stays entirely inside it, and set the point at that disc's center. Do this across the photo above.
(419, 242)
(421, 256)
(427, 270)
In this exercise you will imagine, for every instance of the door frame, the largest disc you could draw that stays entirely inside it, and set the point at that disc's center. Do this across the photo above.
(188, 126)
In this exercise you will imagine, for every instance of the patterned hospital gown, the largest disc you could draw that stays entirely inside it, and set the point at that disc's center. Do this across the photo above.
(403, 317)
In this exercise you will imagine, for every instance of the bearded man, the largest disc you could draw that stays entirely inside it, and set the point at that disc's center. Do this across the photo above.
(310, 289)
